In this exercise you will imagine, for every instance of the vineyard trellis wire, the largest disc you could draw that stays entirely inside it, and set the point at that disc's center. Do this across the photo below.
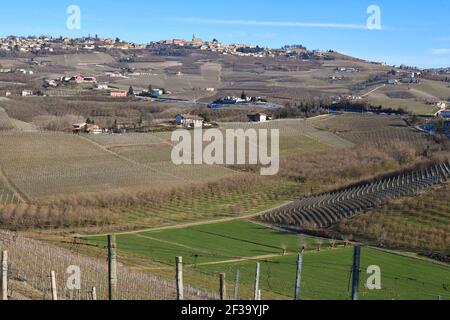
(31, 262)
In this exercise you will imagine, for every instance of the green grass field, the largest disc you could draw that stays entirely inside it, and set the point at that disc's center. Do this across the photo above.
(208, 250)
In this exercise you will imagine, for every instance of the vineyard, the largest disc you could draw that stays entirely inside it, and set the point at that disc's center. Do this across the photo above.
(31, 262)
(296, 128)
(5, 121)
(374, 130)
(7, 196)
(51, 164)
(131, 139)
(419, 222)
(154, 149)
(215, 202)
(409, 136)
(326, 209)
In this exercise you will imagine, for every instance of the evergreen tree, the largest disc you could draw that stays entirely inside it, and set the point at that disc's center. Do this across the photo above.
(130, 91)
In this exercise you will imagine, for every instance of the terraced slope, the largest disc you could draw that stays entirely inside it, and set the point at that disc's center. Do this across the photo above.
(329, 208)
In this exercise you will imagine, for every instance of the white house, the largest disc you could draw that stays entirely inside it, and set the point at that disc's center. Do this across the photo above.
(189, 121)
(26, 93)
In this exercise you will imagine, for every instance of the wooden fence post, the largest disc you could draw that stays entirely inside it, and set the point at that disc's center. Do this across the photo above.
(4, 279)
(179, 278)
(298, 276)
(256, 292)
(355, 271)
(236, 286)
(94, 293)
(112, 267)
(53, 283)
(223, 288)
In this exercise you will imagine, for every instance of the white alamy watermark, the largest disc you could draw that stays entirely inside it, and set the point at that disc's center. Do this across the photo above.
(74, 19)
(374, 280)
(74, 279)
(374, 19)
(234, 147)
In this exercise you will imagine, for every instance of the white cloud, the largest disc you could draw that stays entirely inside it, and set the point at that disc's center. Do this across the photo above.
(277, 23)
(440, 51)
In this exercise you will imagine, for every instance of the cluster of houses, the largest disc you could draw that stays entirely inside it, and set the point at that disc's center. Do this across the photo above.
(216, 46)
(119, 127)
(51, 44)
(23, 93)
(193, 121)
(186, 121)
(26, 44)
(20, 71)
(82, 79)
(76, 79)
(404, 77)
(232, 100)
(246, 50)
(345, 97)
(346, 70)
(84, 127)
(154, 93)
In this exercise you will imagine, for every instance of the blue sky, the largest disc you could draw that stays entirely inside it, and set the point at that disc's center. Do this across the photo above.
(413, 32)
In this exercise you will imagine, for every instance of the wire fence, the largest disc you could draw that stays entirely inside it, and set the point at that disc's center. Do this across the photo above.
(322, 278)
(31, 261)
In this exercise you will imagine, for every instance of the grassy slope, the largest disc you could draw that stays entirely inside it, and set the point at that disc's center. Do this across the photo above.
(325, 274)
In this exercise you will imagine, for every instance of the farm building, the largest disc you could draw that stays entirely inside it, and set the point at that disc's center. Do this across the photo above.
(26, 93)
(88, 128)
(258, 117)
(81, 79)
(79, 127)
(189, 121)
(445, 114)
